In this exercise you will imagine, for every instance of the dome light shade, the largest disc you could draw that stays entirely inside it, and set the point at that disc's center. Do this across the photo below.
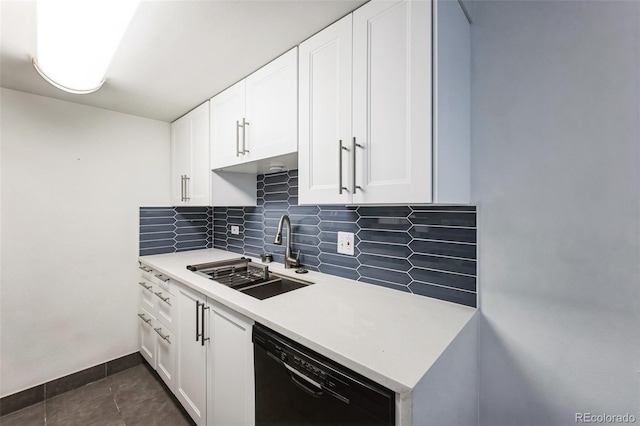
(77, 39)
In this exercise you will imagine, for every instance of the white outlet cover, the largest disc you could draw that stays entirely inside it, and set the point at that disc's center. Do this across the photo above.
(346, 241)
(235, 230)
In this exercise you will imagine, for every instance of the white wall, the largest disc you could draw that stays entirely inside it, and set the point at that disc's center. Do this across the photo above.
(73, 178)
(556, 176)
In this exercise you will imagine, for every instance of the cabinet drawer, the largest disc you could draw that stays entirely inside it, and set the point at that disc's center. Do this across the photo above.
(148, 300)
(163, 282)
(165, 355)
(165, 302)
(147, 336)
(145, 271)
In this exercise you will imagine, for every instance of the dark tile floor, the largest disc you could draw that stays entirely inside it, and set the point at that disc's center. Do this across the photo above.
(132, 397)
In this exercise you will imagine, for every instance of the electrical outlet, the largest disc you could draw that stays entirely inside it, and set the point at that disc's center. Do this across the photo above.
(235, 230)
(345, 243)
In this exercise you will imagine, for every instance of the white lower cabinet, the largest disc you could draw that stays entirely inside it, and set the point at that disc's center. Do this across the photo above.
(214, 365)
(165, 355)
(231, 380)
(191, 378)
(156, 328)
(147, 336)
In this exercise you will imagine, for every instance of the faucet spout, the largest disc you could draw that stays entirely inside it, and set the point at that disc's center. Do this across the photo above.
(289, 261)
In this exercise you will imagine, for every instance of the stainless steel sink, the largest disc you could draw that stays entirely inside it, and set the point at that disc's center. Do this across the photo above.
(278, 284)
(248, 277)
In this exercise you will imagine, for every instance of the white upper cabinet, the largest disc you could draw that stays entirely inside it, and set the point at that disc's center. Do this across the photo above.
(227, 113)
(190, 172)
(325, 115)
(256, 119)
(393, 150)
(392, 102)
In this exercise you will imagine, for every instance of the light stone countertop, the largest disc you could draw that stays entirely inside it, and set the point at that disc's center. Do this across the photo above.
(389, 336)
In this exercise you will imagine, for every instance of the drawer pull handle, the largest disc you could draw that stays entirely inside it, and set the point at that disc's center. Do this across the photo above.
(144, 285)
(144, 268)
(162, 278)
(147, 320)
(164, 299)
(160, 334)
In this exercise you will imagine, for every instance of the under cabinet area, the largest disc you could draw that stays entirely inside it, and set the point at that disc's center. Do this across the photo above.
(368, 132)
(256, 118)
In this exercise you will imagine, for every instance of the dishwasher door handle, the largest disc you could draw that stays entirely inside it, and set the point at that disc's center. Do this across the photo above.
(318, 392)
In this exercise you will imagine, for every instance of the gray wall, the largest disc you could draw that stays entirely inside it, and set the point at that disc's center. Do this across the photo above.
(556, 176)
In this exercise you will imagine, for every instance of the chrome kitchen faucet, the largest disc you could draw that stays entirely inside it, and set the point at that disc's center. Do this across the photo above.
(289, 261)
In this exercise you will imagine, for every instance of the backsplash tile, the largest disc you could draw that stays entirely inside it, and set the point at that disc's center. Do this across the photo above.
(171, 229)
(426, 250)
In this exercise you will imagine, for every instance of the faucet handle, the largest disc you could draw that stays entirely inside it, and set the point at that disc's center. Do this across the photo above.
(297, 259)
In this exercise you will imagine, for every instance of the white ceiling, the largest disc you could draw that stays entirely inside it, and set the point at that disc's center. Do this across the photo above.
(175, 54)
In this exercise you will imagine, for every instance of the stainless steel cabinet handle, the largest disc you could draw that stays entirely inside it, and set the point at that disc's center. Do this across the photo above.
(197, 322)
(181, 187)
(355, 145)
(145, 268)
(238, 138)
(245, 123)
(160, 334)
(187, 179)
(144, 319)
(143, 285)
(202, 320)
(162, 278)
(340, 149)
(164, 299)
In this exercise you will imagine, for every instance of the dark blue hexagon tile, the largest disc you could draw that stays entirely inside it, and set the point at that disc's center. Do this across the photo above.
(428, 250)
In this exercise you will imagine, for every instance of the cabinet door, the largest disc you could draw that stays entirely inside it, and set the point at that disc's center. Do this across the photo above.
(231, 388)
(180, 158)
(191, 363)
(392, 101)
(190, 171)
(165, 355)
(199, 177)
(147, 336)
(272, 108)
(227, 113)
(325, 116)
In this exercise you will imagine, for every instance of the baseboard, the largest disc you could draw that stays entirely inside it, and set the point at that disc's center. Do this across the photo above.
(39, 393)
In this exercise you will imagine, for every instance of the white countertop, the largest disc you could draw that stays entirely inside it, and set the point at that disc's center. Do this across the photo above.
(389, 336)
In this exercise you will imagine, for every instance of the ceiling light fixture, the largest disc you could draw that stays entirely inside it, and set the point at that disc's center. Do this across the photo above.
(77, 39)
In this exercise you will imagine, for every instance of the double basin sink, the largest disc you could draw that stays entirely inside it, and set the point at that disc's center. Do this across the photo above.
(248, 277)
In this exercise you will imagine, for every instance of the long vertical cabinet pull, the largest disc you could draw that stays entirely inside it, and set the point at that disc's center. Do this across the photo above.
(245, 123)
(187, 179)
(355, 145)
(202, 307)
(340, 149)
(197, 322)
(238, 138)
(181, 187)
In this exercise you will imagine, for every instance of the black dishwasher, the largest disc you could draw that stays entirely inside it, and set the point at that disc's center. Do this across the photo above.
(296, 386)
